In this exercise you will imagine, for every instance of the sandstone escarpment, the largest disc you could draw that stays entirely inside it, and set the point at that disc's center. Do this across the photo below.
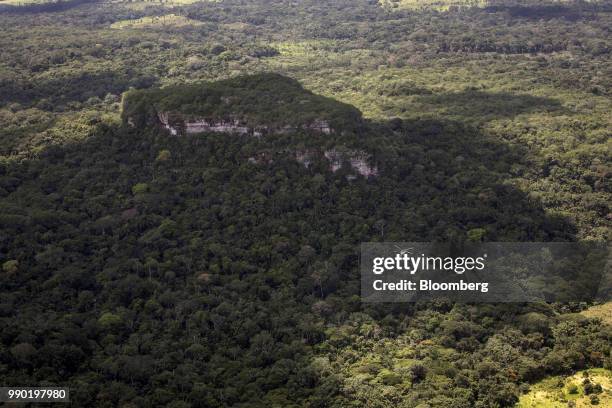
(357, 161)
(178, 124)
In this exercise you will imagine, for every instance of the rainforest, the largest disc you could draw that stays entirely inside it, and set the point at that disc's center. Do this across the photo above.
(185, 186)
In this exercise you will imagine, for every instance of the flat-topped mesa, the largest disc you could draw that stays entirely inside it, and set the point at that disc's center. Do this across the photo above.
(253, 105)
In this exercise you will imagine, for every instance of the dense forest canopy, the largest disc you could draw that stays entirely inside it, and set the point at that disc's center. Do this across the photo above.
(144, 270)
(266, 99)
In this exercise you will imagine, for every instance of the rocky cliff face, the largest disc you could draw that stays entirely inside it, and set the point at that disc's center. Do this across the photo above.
(176, 124)
(359, 161)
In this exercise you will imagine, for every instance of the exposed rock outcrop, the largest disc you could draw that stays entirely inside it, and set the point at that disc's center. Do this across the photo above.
(359, 161)
(261, 158)
(178, 124)
(305, 158)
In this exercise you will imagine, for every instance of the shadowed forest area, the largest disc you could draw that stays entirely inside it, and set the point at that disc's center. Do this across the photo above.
(142, 269)
(191, 269)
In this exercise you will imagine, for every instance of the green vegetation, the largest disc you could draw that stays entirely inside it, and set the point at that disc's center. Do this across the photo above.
(34, 6)
(446, 5)
(441, 5)
(215, 270)
(580, 390)
(166, 20)
(22, 2)
(603, 312)
(265, 99)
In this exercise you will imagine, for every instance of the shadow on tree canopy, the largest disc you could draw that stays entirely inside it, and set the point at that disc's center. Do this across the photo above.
(176, 269)
(43, 7)
(58, 93)
(475, 105)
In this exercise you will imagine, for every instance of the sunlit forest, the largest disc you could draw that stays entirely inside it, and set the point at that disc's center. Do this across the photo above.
(148, 259)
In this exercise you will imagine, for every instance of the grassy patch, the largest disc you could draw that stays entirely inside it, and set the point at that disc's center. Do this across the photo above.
(167, 20)
(139, 5)
(603, 312)
(556, 392)
(440, 5)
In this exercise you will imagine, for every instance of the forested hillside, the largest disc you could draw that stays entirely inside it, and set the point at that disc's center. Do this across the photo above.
(269, 101)
(143, 269)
